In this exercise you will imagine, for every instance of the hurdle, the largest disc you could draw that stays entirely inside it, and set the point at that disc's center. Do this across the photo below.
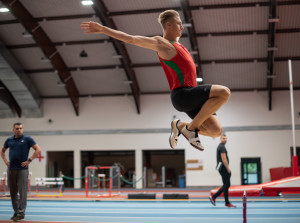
(91, 176)
(49, 181)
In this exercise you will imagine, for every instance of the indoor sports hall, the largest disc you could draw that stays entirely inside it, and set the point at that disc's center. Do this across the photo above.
(137, 111)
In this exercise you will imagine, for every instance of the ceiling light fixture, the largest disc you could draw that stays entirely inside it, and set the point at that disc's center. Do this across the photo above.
(271, 76)
(117, 56)
(4, 9)
(87, 2)
(26, 34)
(128, 82)
(187, 25)
(45, 60)
(199, 79)
(193, 52)
(271, 20)
(60, 84)
(272, 48)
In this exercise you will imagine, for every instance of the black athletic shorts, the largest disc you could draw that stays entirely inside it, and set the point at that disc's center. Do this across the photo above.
(190, 99)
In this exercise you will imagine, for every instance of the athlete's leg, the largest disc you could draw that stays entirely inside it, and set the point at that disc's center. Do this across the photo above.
(218, 96)
(211, 127)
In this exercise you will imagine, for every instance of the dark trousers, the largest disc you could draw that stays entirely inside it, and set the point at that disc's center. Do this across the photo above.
(18, 183)
(226, 184)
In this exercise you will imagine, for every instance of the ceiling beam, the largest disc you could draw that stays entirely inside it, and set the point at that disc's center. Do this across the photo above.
(8, 98)
(185, 6)
(44, 42)
(103, 14)
(271, 50)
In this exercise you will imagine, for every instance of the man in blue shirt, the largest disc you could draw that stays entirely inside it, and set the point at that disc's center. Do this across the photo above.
(18, 163)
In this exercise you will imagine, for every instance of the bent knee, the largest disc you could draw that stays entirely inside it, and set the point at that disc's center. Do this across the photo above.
(217, 131)
(225, 93)
(221, 92)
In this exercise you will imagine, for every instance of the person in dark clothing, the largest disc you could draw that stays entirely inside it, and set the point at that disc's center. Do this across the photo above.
(225, 172)
(17, 173)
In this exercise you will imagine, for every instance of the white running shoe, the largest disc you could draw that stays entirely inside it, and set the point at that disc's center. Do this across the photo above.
(192, 137)
(175, 132)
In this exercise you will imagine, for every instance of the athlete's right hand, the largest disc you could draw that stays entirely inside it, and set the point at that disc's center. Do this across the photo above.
(91, 27)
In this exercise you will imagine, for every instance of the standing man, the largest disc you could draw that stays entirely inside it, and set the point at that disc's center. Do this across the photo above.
(199, 102)
(225, 172)
(19, 146)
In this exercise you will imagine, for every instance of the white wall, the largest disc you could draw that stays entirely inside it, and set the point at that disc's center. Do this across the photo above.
(110, 113)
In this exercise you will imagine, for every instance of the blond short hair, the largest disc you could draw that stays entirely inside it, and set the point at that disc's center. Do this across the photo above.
(166, 15)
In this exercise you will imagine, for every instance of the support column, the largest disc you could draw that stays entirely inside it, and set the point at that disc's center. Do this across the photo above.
(77, 168)
(139, 168)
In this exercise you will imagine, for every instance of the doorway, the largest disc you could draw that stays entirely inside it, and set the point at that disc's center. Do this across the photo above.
(61, 162)
(251, 171)
(163, 163)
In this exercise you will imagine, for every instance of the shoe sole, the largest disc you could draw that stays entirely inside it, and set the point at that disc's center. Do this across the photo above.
(172, 131)
(192, 144)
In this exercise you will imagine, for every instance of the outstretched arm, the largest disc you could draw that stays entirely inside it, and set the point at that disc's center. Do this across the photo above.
(156, 43)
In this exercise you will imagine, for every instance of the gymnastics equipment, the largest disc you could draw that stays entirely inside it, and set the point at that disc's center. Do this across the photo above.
(289, 185)
(49, 181)
(295, 157)
(98, 177)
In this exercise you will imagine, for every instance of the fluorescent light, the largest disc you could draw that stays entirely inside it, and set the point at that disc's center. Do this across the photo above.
(26, 34)
(186, 25)
(199, 79)
(45, 60)
(271, 20)
(3, 9)
(87, 2)
(128, 82)
(272, 48)
(60, 84)
(116, 56)
(193, 52)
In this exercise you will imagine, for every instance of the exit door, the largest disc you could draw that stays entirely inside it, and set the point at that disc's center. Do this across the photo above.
(251, 171)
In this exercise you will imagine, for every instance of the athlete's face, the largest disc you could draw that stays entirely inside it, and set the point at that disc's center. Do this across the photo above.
(175, 26)
(18, 130)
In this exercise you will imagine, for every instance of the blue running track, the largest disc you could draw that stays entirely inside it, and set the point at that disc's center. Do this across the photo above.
(154, 212)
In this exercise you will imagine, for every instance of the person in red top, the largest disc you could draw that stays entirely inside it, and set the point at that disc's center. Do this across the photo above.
(199, 102)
